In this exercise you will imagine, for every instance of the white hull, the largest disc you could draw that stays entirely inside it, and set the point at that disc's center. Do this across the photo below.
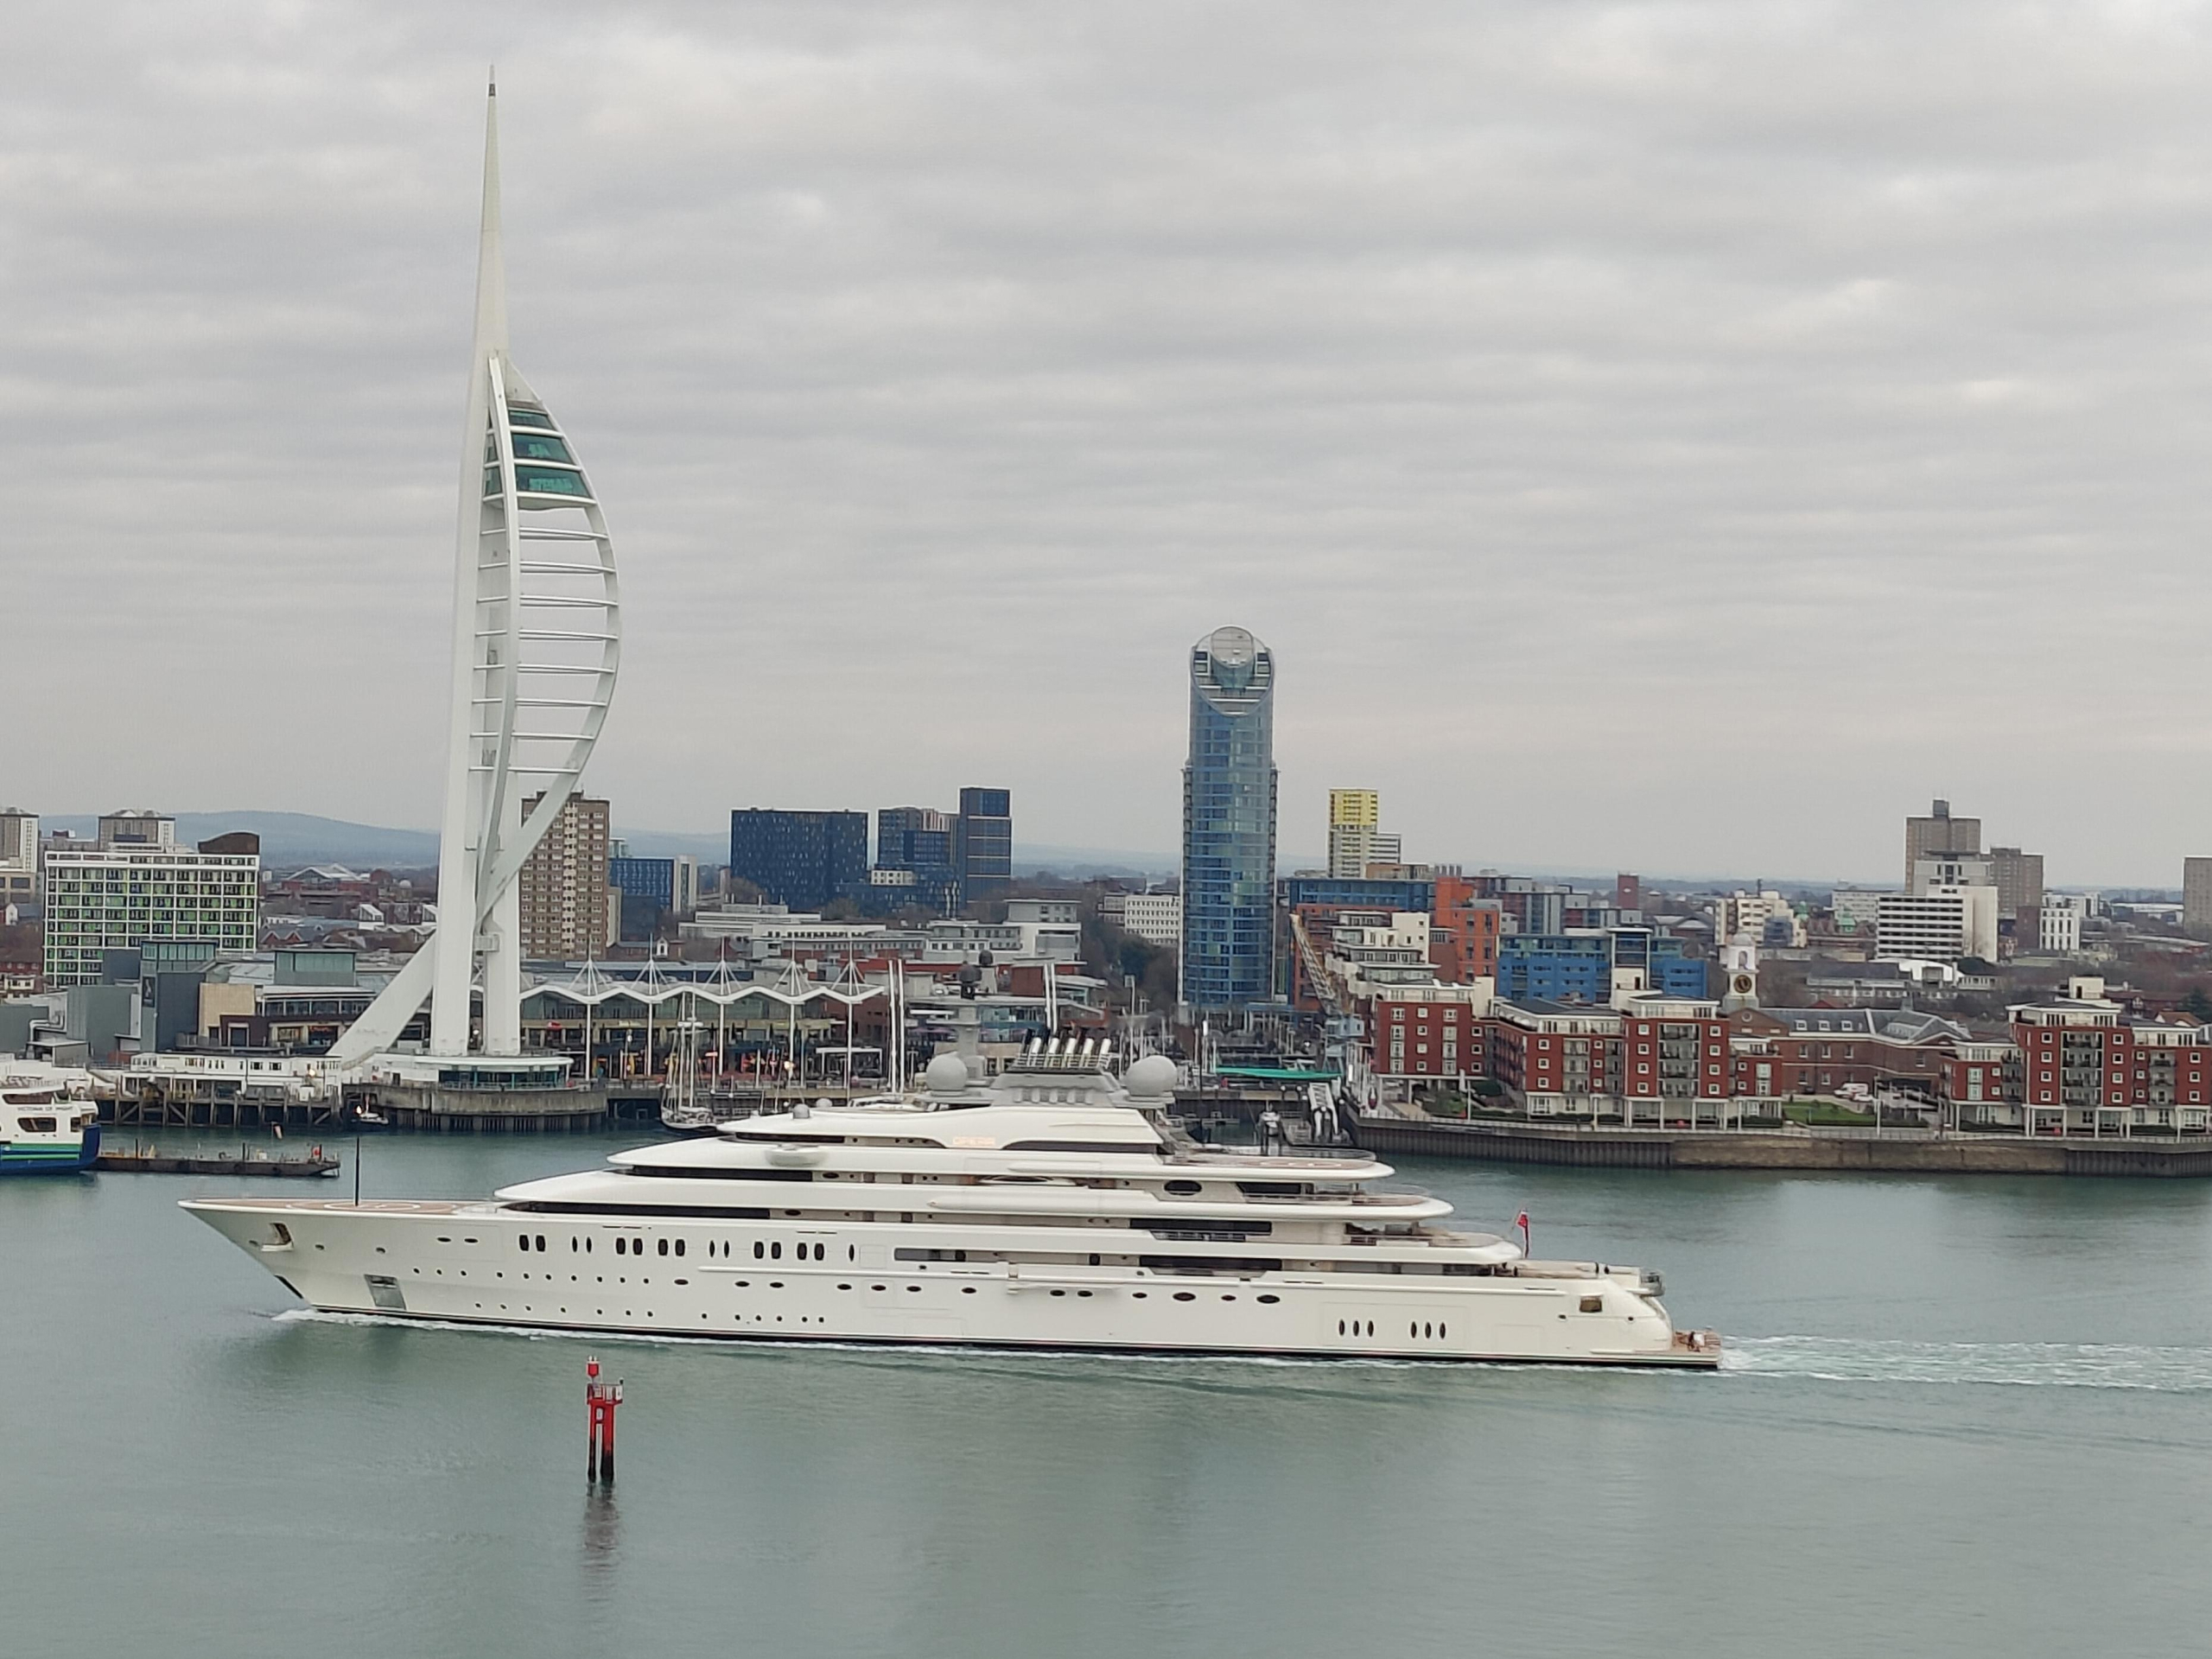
(466, 1262)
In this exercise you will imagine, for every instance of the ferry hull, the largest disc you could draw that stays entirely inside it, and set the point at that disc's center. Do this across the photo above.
(59, 1158)
(465, 1263)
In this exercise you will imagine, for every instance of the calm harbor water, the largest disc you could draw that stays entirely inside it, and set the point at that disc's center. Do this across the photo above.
(1961, 1416)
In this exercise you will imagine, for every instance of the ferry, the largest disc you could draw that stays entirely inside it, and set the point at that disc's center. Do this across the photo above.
(1054, 1206)
(45, 1128)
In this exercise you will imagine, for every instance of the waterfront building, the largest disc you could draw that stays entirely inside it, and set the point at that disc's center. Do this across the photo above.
(1766, 916)
(1356, 836)
(916, 858)
(138, 829)
(117, 897)
(801, 859)
(1364, 892)
(2087, 1068)
(537, 644)
(1856, 909)
(1674, 1054)
(19, 872)
(1465, 930)
(1785, 1053)
(1939, 833)
(2059, 924)
(1046, 928)
(2197, 893)
(984, 841)
(1376, 951)
(567, 909)
(1941, 924)
(1155, 918)
(1429, 1032)
(646, 889)
(1228, 825)
(2018, 877)
(1595, 965)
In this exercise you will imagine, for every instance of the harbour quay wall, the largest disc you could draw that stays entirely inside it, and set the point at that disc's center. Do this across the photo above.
(438, 1109)
(1901, 1153)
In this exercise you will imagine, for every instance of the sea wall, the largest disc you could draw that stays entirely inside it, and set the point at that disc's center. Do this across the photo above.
(1902, 1153)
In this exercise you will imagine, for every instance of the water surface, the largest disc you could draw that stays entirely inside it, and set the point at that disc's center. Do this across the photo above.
(1960, 1416)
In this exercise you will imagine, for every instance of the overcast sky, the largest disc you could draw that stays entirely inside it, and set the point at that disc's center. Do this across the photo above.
(1675, 437)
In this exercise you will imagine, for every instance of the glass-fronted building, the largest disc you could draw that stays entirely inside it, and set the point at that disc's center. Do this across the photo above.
(984, 841)
(1229, 824)
(801, 859)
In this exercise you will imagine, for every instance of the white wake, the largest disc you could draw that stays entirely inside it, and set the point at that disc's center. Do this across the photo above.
(2017, 1364)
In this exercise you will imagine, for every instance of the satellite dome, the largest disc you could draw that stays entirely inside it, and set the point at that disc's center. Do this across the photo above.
(947, 1075)
(1151, 1078)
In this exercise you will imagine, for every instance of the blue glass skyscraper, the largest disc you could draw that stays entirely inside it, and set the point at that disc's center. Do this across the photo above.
(1229, 824)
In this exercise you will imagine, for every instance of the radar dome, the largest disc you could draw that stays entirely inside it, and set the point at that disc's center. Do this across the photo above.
(1151, 1078)
(947, 1075)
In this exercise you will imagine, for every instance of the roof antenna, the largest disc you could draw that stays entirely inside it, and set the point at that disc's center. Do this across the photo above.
(492, 81)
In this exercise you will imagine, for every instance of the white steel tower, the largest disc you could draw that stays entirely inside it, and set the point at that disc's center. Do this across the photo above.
(536, 638)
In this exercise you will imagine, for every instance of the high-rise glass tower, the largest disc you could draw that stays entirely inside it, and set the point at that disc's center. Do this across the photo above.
(1229, 824)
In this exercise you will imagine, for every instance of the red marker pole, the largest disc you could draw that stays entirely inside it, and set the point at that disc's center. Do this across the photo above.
(600, 1400)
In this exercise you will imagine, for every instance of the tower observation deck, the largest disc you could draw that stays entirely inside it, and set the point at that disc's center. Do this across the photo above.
(537, 639)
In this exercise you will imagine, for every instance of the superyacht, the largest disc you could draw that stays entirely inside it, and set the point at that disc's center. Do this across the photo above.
(1055, 1206)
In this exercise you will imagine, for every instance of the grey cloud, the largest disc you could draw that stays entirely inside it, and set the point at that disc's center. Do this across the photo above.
(1682, 436)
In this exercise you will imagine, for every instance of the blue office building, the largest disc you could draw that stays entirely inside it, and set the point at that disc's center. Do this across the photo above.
(1229, 824)
(1359, 892)
(1579, 967)
(648, 890)
(801, 859)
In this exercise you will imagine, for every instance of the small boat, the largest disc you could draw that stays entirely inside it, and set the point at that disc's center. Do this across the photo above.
(44, 1130)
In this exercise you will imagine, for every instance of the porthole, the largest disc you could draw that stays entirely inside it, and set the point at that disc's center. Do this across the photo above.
(1186, 1296)
(817, 1252)
(844, 1286)
(1059, 1293)
(679, 1247)
(1443, 1331)
(1413, 1328)
(664, 1247)
(1340, 1324)
(572, 1248)
(1094, 1258)
(879, 1287)
(852, 1253)
(621, 1245)
(1139, 1296)
(776, 1250)
(1340, 1327)
(759, 1250)
(541, 1241)
(916, 1289)
(1184, 1189)
(1229, 1299)
(1425, 1329)
(1082, 1293)
(1594, 1305)
(970, 1290)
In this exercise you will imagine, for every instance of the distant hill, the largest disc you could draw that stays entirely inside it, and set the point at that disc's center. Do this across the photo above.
(291, 839)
